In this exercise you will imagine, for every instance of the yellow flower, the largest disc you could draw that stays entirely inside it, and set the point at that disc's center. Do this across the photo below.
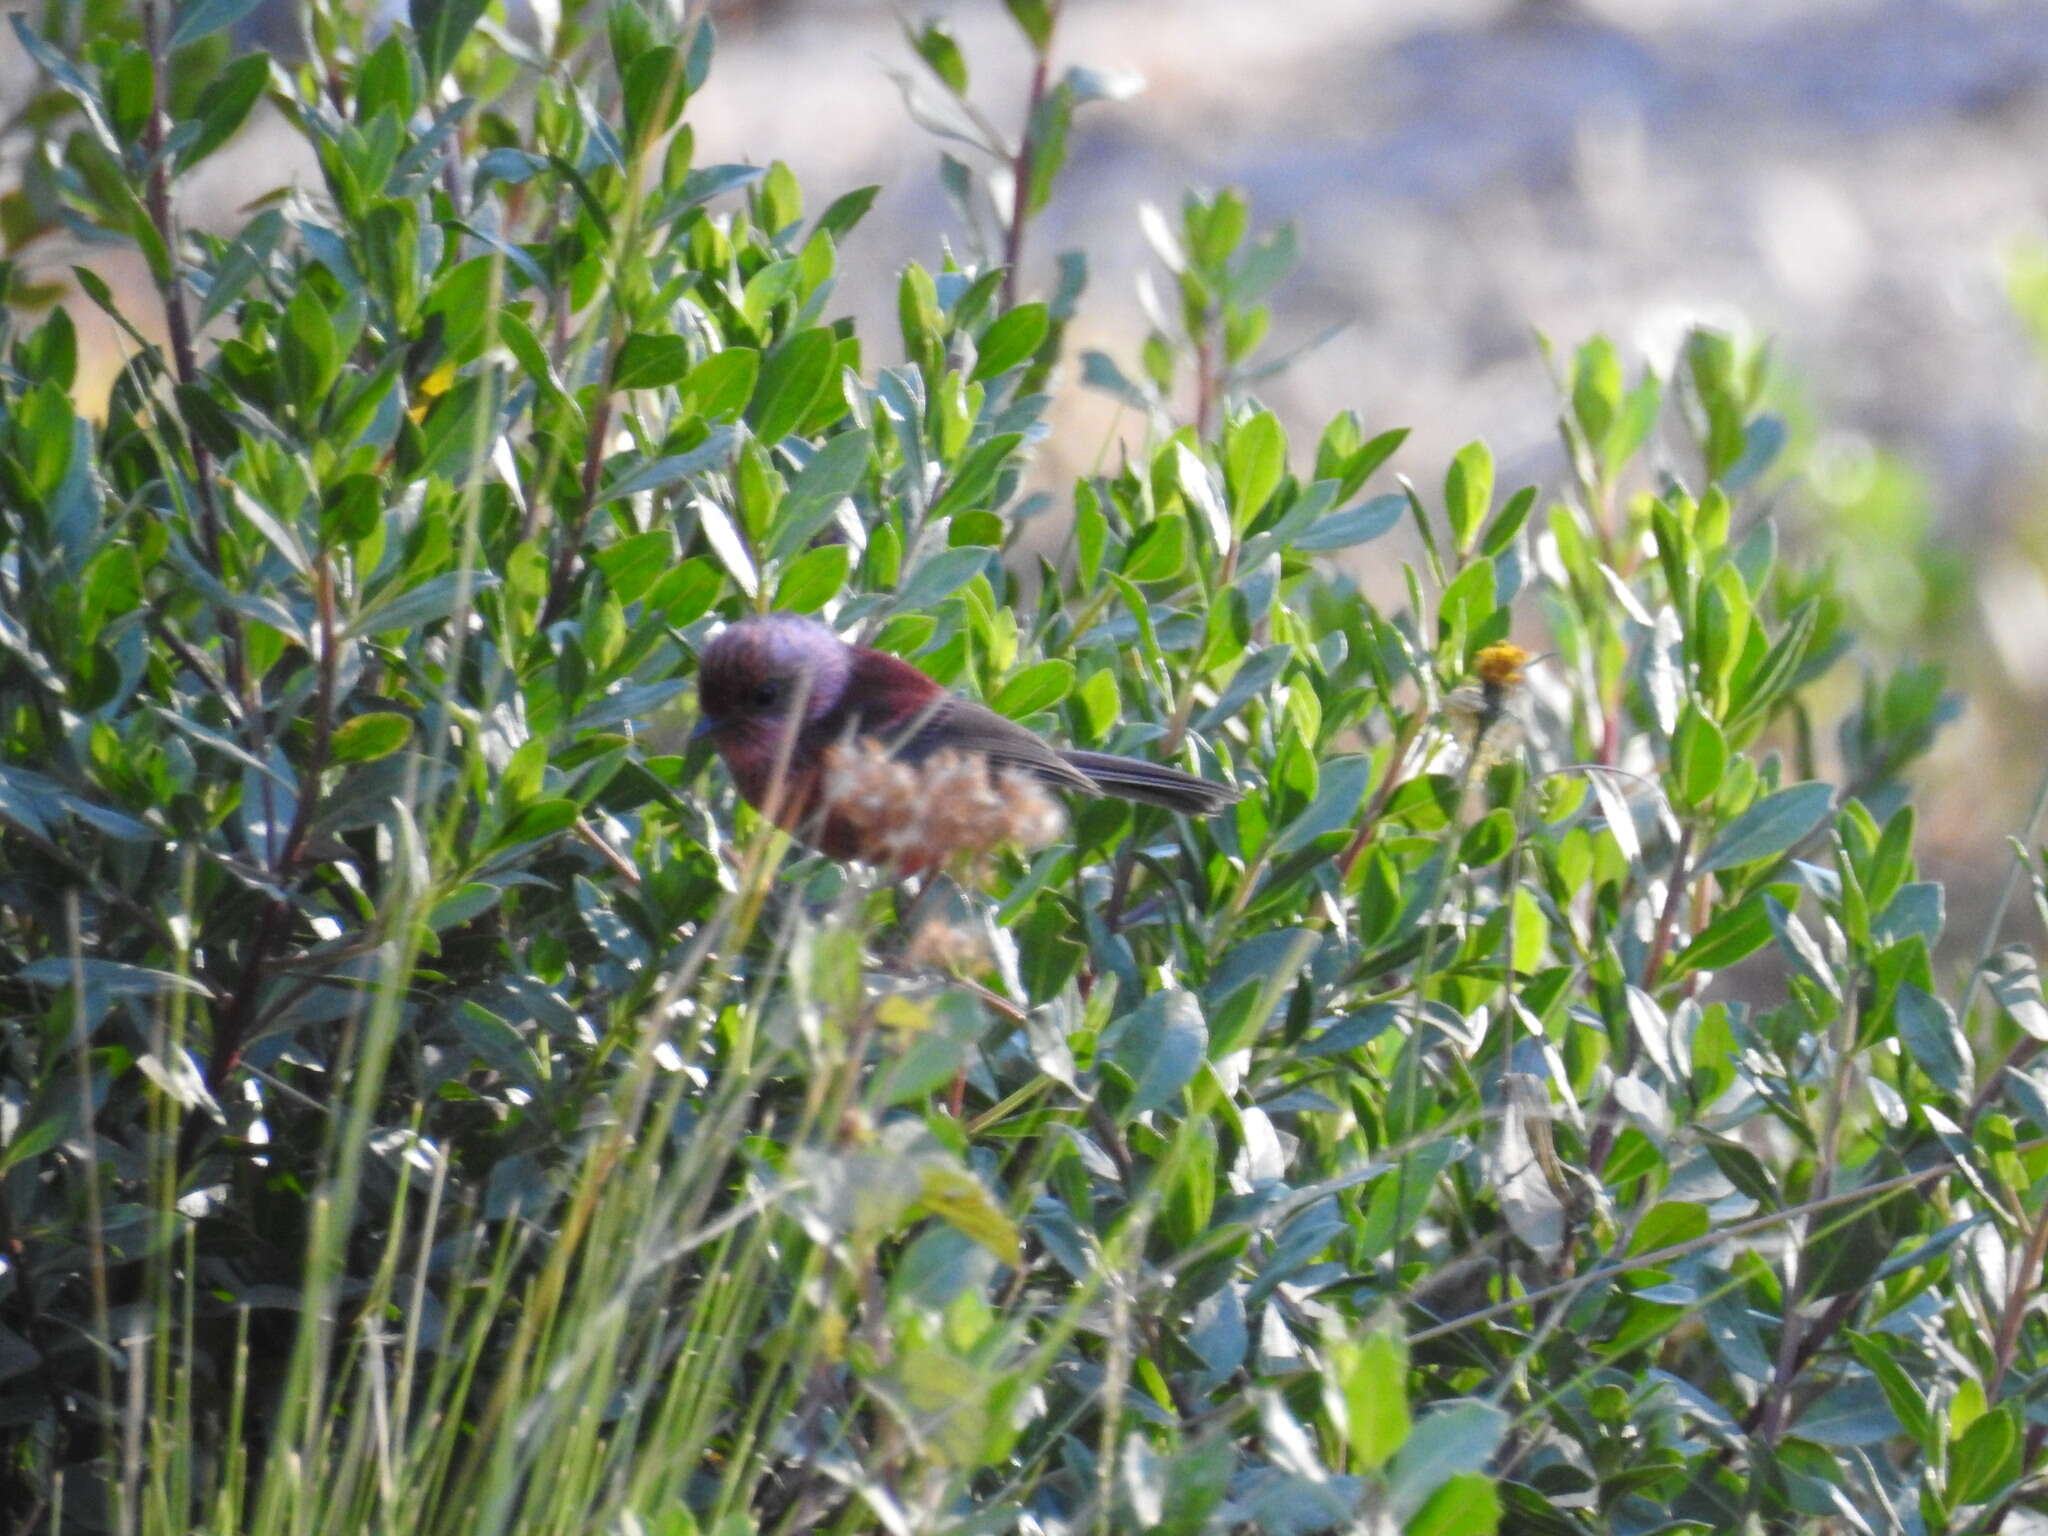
(1480, 715)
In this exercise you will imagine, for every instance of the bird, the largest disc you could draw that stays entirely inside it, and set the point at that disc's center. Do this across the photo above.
(779, 693)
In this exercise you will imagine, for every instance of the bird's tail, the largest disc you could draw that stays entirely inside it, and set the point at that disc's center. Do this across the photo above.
(1132, 779)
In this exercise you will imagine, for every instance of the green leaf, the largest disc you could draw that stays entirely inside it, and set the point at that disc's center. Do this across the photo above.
(814, 578)
(1354, 525)
(438, 597)
(1372, 1375)
(973, 480)
(962, 1201)
(1985, 1460)
(439, 28)
(719, 388)
(1013, 339)
(1036, 687)
(308, 351)
(1667, 1224)
(634, 564)
(1254, 463)
(1160, 552)
(464, 905)
(652, 93)
(1467, 1504)
(1035, 18)
(1733, 935)
(1596, 389)
(1500, 533)
(368, 737)
(1452, 1438)
(1699, 753)
(768, 288)
(1198, 487)
(846, 211)
(1160, 1047)
(1049, 125)
(935, 44)
(1927, 1029)
(1468, 493)
(60, 973)
(203, 18)
(543, 818)
(796, 374)
(1908, 1402)
(658, 474)
(1488, 838)
(833, 473)
(1770, 827)
(648, 361)
(226, 106)
(941, 576)
(31, 1141)
(1344, 781)
(461, 427)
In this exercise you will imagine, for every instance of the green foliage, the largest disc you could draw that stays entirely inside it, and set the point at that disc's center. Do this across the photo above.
(432, 1102)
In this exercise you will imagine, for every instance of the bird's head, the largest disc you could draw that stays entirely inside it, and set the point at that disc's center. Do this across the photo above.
(764, 673)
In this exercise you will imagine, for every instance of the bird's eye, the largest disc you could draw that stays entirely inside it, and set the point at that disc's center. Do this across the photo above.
(767, 695)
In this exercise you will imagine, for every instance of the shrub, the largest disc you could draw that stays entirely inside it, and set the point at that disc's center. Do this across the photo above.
(433, 1103)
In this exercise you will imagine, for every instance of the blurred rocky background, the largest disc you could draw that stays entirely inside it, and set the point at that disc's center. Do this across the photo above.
(1864, 181)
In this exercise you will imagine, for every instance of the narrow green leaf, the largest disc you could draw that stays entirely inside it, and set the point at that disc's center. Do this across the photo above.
(439, 28)
(1733, 935)
(1699, 756)
(1927, 1029)
(650, 361)
(226, 106)
(1468, 493)
(203, 18)
(719, 388)
(543, 818)
(1255, 461)
(1013, 339)
(438, 597)
(795, 375)
(1160, 552)
(1036, 687)
(1372, 1375)
(1465, 1504)
(1160, 1047)
(814, 578)
(1770, 827)
(368, 737)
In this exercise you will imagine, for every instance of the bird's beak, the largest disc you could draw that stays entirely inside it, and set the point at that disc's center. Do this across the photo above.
(705, 728)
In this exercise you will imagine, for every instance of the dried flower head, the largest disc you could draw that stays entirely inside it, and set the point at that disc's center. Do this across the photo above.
(915, 816)
(955, 948)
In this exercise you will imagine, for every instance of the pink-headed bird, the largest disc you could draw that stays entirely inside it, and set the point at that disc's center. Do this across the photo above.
(780, 691)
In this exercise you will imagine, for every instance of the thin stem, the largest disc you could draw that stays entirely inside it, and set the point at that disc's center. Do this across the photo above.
(2025, 1281)
(1404, 743)
(1674, 897)
(2005, 896)
(184, 361)
(571, 538)
(1023, 164)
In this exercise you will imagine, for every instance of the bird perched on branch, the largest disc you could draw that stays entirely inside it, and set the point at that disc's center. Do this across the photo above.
(865, 757)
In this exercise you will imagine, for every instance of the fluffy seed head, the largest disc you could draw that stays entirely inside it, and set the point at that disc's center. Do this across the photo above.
(942, 946)
(922, 815)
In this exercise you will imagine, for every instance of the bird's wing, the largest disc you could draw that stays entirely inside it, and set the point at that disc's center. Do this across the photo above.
(967, 727)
